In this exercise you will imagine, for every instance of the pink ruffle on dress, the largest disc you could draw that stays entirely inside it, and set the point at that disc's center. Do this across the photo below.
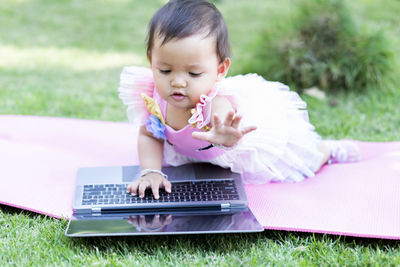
(283, 148)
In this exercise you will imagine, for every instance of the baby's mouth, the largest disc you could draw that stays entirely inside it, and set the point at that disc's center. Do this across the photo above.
(178, 96)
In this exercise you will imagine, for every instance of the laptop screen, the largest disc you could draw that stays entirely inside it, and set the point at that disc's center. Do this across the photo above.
(163, 223)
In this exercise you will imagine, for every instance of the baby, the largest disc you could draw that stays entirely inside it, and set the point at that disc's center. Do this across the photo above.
(187, 111)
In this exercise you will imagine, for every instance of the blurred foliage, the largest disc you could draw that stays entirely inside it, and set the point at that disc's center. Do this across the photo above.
(320, 45)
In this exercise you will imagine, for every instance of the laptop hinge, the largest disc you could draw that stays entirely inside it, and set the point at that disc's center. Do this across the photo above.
(225, 206)
(96, 210)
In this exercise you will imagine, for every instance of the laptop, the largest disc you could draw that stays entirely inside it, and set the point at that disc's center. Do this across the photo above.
(205, 199)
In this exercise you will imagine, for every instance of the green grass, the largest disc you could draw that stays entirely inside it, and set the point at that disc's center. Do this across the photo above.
(28, 239)
(63, 58)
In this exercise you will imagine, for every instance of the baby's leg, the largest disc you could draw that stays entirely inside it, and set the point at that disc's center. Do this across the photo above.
(324, 149)
(338, 151)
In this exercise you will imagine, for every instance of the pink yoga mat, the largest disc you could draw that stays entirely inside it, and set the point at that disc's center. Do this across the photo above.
(39, 157)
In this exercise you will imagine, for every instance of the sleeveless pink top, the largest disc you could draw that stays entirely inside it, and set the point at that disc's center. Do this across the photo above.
(182, 139)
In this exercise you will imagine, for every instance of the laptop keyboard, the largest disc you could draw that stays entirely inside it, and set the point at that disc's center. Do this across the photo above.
(203, 190)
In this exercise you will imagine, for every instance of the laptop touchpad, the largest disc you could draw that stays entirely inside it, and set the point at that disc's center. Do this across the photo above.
(183, 172)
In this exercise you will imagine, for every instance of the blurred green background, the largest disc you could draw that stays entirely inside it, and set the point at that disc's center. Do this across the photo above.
(63, 58)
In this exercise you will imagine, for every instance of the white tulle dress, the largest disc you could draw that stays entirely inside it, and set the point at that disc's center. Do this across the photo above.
(283, 148)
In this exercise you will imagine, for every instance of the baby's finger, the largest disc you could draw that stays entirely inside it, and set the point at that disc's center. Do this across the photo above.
(142, 188)
(156, 221)
(217, 122)
(246, 130)
(128, 188)
(168, 220)
(236, 121)
(154, 188)
(167, 186)
(205, 136)
(142, 221)
(229, 118)
(132, 188)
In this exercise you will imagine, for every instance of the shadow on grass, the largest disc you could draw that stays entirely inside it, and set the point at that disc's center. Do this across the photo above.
(232, 243)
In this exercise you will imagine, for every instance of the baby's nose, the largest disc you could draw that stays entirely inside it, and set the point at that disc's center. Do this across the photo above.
(178, 82)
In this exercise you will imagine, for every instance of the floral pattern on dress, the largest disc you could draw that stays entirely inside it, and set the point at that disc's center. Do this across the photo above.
(155, 123)
(155, 126)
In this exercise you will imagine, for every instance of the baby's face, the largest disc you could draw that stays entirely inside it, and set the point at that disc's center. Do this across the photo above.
(184, 69)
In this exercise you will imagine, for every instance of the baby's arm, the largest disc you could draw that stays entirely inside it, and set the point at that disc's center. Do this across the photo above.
(150, 156)
(225, 133)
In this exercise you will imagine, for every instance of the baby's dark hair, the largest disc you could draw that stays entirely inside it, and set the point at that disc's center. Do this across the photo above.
(183, 18)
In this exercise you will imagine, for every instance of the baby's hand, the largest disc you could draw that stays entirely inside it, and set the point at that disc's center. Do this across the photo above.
(151, 180)
(227, 133)
(150, 223)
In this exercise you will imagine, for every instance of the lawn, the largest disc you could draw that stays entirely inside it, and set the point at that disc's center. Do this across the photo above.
(63, 58)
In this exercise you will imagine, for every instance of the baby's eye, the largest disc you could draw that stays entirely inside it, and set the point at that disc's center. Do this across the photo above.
(195, 74)
(165, 71)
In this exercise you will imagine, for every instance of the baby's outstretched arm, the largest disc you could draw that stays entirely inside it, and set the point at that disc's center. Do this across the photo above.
(150, 156)
(228, 132)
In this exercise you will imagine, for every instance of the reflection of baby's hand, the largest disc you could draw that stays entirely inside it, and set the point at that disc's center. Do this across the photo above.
(154, 181)
(156, 223)
(227, 133)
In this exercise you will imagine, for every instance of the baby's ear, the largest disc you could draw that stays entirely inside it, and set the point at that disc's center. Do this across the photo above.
(223, 68)
(149, 56)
